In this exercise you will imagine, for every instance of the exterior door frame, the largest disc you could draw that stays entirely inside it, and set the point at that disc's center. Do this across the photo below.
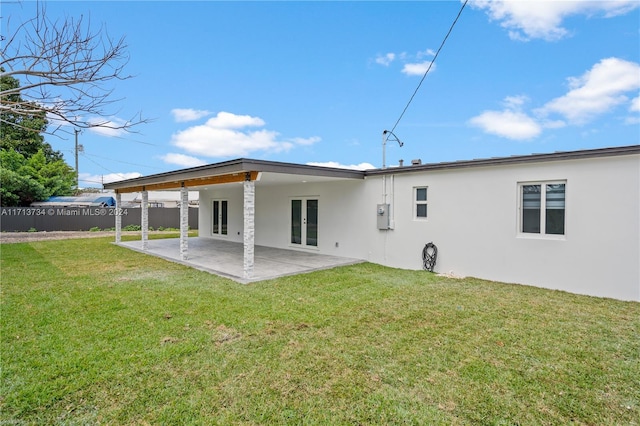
(304, 223)
(219, 221)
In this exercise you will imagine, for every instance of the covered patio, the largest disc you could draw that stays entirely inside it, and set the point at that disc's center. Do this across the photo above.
(236, 260)
(226, 258)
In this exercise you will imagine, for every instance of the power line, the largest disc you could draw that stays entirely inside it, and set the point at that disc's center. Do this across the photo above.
(136, 141)
(119, 161)
(103, 167)
(430, 65)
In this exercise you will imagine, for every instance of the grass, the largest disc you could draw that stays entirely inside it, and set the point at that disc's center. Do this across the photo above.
(93, 333)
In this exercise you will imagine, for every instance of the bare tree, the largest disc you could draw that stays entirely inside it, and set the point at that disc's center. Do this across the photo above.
(65, 70)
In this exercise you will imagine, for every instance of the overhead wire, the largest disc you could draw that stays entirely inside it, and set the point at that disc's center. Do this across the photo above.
(136, 141)
(103, 167)
(120, 161)
(430, 65)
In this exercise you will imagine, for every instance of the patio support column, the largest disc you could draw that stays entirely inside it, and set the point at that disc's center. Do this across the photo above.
(118, 218)
(249, 225)
(184, 223)
(144, 223)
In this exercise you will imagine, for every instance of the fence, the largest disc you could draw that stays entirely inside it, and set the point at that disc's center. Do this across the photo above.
(20, 219)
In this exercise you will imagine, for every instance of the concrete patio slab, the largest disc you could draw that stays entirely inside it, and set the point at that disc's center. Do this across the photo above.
(225, 258)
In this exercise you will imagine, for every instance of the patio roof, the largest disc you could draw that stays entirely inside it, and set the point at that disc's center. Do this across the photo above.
(231, 171)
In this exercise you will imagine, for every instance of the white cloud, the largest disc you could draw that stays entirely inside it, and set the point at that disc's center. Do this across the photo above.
(188, 114)
(182, 160)
(418, 68)
(527, 20)
(97, 180)
(634, 109)
(225, 135)
(508, 124)
(428, 52)
(108, 127)
(412, 64)
(306, 141)
(227, 120)
(385, 59)
(597, 91)
(515, 102)
(336, 165)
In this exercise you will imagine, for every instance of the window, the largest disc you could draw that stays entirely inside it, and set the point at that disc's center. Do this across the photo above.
(420, 200)
(219, 217)
(542, 208)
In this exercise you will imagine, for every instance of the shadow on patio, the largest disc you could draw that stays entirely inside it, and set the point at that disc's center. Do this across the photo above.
(225, 258)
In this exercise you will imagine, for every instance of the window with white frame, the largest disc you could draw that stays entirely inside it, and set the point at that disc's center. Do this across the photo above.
(420, 202)
(219, 217)
(542, 208)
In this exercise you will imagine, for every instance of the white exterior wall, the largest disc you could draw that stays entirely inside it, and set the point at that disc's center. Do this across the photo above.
(473, 219)
(233, 193)
(338, 216)
(339, 220)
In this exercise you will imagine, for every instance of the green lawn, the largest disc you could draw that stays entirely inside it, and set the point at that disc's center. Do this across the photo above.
(93, 333)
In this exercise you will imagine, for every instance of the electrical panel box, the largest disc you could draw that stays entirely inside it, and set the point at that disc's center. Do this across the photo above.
(383, 216)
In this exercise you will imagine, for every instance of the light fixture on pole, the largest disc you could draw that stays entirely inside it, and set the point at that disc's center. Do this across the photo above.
(385, 138)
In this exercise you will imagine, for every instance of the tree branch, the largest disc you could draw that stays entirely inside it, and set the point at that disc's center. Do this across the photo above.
(65, 70)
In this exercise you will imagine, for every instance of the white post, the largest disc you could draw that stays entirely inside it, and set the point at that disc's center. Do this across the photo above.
(249, 226)
(184, 223)
(144, 206)
(118, 218)
(384, 149)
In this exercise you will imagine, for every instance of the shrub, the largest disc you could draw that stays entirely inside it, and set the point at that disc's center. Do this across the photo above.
(132, 228)
(94, 229)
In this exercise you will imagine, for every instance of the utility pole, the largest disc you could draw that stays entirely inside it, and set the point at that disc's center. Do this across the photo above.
(77, 174)
(79, 148)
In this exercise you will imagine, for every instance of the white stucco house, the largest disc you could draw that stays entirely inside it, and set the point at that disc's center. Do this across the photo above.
(566, 220)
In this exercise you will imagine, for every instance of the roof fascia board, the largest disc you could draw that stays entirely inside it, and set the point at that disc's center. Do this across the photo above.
(499, 161)
(302, 169)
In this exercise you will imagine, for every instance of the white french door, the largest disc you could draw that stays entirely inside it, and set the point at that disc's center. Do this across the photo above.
(219, 225)
(304, 222)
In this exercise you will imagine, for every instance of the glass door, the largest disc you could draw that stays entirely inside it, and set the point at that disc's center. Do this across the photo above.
(219, 217)
(304, 222)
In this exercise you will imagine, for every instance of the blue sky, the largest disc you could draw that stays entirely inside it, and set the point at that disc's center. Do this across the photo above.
(318, 82)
